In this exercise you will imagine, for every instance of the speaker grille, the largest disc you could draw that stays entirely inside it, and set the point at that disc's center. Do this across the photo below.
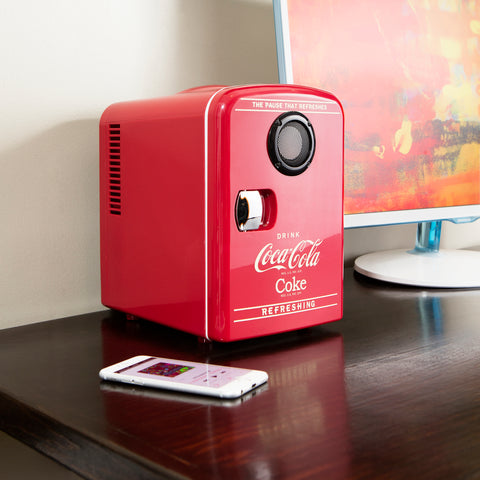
(114, 170)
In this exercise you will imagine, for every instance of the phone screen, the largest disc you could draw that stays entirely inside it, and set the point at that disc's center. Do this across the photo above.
(188, 372)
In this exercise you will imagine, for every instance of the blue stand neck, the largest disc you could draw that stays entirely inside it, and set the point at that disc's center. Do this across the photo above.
(428, 237)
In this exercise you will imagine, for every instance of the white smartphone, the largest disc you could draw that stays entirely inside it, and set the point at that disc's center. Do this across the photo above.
(189, 377)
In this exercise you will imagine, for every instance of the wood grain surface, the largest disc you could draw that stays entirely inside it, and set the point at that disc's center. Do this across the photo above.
(391, 391)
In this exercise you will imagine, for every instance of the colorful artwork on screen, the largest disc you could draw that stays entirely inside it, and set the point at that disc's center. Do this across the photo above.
(407, 73)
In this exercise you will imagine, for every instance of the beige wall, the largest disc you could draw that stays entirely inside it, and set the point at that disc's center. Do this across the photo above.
(62, 63)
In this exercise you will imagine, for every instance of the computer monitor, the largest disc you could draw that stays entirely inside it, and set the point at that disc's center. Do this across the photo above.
(407, 73)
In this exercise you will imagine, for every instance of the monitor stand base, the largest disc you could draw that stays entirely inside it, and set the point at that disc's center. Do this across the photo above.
(424, 266)
(442, 269)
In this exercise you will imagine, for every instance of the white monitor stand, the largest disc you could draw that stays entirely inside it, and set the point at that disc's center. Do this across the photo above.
(426, 265)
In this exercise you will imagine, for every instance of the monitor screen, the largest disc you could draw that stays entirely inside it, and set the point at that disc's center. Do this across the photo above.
(407, 73)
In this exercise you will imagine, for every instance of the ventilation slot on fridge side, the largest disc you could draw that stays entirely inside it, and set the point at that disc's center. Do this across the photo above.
(114, 170)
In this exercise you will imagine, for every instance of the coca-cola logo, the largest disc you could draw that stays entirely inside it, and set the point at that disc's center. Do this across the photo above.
(304, 254)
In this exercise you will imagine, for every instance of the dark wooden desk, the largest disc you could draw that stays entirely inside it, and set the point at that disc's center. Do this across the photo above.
(391, 391)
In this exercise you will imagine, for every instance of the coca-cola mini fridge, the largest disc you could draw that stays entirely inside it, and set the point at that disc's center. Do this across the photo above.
(221, 209)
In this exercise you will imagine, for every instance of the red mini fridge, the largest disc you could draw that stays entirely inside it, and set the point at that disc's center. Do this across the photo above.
(221, 209)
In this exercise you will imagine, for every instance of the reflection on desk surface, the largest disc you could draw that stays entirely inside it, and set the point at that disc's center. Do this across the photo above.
(304, 401)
